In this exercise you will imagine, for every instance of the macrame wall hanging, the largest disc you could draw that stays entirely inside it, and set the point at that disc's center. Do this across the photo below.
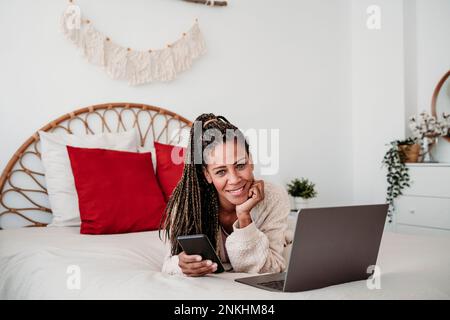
(136, 67)
(211, 3)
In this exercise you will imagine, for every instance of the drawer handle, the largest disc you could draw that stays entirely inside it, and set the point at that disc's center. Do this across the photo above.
(412, 211)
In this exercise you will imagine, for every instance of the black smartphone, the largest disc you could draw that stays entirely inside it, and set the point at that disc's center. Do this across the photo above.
(200, 244)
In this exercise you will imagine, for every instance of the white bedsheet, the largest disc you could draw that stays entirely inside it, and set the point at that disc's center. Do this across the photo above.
(34, 264)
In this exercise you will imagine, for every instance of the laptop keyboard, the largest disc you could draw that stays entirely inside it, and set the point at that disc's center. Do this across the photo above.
(277, 285)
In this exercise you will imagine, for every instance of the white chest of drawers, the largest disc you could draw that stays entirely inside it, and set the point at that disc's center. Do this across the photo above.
(424, 207)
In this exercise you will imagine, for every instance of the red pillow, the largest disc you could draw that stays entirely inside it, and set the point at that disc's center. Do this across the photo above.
(168, 170)
(117, 191)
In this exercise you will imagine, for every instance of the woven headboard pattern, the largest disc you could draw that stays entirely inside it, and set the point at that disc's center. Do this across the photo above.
(23, 194)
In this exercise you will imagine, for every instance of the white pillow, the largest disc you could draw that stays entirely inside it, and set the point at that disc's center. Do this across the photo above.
(58, 171)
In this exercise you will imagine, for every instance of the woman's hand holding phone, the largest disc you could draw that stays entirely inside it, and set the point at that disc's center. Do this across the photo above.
(194, 266)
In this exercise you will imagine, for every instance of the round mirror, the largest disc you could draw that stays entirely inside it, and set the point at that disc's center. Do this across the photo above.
(440, 103)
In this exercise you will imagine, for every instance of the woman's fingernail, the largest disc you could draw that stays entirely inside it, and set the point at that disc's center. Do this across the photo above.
(208, 263)
(199, 258)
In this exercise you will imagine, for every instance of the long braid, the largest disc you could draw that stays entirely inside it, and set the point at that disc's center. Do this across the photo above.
(193, 207)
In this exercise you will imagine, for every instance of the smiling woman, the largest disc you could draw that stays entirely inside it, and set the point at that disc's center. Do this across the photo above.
(244, 218)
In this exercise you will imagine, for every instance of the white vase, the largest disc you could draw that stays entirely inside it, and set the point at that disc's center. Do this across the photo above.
(301, 203)
(428, 143)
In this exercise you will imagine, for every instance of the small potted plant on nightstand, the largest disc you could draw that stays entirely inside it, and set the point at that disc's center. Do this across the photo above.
(302, 190)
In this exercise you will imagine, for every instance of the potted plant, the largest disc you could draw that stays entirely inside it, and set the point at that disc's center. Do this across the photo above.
(409, 150)
(397, 171)
(302, 190)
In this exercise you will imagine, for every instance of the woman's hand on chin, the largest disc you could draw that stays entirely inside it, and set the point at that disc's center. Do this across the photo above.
(255, 195)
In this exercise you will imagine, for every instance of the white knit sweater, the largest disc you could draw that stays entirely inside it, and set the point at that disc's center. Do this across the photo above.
(257, 248)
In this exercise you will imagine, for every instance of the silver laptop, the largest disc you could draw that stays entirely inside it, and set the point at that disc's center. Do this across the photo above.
(331, 246)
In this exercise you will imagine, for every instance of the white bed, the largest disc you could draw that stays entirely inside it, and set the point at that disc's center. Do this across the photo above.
(37, 263)
(34, 264)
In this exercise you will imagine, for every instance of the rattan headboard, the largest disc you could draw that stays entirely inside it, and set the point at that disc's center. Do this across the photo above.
(26, 199)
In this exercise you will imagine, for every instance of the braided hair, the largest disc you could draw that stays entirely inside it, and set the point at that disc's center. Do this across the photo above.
(193, 207)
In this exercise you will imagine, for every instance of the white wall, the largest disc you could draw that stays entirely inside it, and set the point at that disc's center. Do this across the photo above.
(270, 64)
(428, 57)
(377, 94)
(394, 72)
(433, 47)
(410, 54)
